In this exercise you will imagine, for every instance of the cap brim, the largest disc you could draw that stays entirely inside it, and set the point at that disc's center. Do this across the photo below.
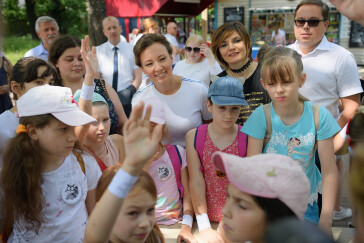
(236, 167)
(157, 120)
(228, 100)
(74, 117)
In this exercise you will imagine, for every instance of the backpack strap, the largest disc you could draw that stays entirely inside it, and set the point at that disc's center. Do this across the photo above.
(80, 161)
(200, 137)
(316, 118)
(268, 121)
(98, 160)
(176, 160)
(242, 142)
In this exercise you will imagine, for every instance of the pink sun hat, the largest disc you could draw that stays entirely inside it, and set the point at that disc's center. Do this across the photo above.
(268, 176)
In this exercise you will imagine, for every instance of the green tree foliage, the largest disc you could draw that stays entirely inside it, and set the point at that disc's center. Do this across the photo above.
(71, 15)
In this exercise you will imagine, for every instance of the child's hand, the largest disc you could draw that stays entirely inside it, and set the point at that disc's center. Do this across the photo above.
(89, 57)
(185, 235)
(139, 142)
(211, 236)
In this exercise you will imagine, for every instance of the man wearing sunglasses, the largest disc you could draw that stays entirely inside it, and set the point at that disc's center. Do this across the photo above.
(331, 70)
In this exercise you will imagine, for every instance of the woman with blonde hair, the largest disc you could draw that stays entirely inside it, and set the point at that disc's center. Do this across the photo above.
(200, 63)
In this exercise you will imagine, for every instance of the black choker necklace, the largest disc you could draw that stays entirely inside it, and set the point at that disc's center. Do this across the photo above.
(246, 65)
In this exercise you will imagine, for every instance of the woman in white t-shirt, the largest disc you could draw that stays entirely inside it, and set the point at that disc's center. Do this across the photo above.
(200, 63)
(278, 35)
(184, 99)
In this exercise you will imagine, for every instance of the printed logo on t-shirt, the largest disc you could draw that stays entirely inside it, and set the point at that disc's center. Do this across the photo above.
(71, 192)
(164, 172)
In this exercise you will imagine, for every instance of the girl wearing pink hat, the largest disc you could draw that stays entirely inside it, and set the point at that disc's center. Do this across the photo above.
(263, 189)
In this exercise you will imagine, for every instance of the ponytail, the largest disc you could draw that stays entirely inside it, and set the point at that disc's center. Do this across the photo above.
(21, 178)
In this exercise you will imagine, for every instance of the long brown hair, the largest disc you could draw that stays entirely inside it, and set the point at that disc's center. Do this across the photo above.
(144, 182)
(21, 177)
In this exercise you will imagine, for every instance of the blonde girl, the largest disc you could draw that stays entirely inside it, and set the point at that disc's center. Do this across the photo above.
(200, 63)
(294, 132)
(131, 193)
(47, 191)
(208, 185)
(168, 169)
(106, 149)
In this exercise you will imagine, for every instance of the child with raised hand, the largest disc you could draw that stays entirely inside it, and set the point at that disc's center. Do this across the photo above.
(140, 145)
(292, 126)
(168, 169)
(263, 189)
(208, 185)
(106, 149)
(47, 191)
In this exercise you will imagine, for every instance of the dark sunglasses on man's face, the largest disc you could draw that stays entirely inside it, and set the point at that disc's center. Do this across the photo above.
(310, 22)
(195, 49)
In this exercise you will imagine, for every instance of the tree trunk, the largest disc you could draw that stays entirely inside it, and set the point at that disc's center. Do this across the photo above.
(31, 17)
(56, 13)
(96, 13)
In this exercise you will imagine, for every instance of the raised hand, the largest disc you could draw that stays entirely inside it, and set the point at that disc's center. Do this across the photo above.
(352, 9)
(89, 57)
(140, 142)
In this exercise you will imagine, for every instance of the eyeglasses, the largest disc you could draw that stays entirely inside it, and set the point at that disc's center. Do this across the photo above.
(311, 22)
(195, 49)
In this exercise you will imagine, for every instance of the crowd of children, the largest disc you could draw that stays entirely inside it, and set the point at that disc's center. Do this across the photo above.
(64, 178)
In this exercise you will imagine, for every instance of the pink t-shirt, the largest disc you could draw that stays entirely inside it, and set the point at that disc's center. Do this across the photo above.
(168, 209)
(215, 186)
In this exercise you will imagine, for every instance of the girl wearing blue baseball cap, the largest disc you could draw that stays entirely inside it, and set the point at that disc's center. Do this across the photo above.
(208, 194)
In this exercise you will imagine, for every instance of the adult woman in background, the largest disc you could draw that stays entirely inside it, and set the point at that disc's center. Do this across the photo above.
(65, 55)
(232, 48)
(184, 99)
(5, 69)
(200, 63)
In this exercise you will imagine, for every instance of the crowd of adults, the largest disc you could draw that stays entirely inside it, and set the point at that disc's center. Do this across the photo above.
(150, 66)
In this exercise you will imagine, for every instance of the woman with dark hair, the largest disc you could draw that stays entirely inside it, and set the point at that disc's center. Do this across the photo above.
(263, 189)
(65, 55)
(232, 48)
(184, 99)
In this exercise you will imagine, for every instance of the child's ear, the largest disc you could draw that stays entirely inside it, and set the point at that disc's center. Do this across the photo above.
(32, 132)
(15, 87)
(209, 106)
(263, 83)
(302, 79)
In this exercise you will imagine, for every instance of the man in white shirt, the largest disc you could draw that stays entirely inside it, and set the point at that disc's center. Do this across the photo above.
(171, 37)
(331, 70)
(47, 30)
(117, 63)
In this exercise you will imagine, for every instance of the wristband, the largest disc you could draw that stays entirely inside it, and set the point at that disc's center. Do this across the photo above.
(87, 92)
(122, 183)
(203, 222)
(187, 220)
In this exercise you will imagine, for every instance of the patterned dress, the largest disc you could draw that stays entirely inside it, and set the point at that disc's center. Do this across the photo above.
(215, 185)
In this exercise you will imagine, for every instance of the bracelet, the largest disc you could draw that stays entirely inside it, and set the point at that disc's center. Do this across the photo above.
(87, 92)
(122, 183)
(203, 222)
(187, 220)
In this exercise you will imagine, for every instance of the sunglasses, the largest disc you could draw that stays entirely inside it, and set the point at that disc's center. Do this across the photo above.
(310, 22)
(195, 49)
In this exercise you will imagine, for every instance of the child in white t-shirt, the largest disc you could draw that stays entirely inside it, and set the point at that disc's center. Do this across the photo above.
(168, 169)
(48, 185)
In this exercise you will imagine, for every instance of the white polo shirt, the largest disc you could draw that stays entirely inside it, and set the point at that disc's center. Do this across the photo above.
(126, 63)
(331, 72)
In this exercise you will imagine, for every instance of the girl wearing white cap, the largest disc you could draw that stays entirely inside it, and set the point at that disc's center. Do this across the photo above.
(168, 169)
(48, 191)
